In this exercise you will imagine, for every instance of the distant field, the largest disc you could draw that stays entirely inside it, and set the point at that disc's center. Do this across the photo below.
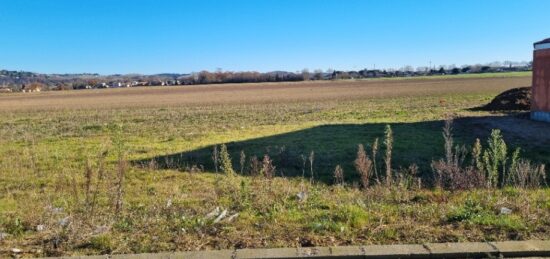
(255, 93)
(130, 170)
(481, 75)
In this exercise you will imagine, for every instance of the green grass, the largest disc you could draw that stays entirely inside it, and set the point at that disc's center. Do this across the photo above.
(461, 76)
(44, 157)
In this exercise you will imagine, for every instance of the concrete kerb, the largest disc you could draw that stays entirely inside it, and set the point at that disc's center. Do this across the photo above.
(267, 253)
(396, 251)
(352, 252)
(523, 249)
(461, 250)
(507, 249)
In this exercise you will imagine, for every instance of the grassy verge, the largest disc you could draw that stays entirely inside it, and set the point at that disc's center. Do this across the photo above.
(168, 210)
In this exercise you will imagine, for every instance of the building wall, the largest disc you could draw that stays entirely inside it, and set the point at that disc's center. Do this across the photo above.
(540, 103)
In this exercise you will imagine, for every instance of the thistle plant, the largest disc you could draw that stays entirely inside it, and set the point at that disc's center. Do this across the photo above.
(363, 165)
(268, 169)
(242, 161)
(215, 157)
(507, 178)
(374, 153)
(495, 157)
(225, 161)
(477, 150)
(338, 175)
(311, 160)
(388, 142)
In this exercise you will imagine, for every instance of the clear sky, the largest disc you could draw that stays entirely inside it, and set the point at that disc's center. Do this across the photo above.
(154, 36)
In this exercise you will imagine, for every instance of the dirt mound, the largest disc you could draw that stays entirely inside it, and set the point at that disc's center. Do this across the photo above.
(517, 99)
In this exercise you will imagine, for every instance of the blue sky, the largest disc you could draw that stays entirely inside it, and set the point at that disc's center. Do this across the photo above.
(154, 36)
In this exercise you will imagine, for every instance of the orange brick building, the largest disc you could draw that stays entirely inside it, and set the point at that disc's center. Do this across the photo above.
(540, 103)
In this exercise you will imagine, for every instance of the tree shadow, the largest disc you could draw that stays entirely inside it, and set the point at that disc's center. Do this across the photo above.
(414, 143)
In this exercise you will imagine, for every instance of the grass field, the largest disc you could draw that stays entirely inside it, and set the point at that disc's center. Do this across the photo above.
(130, 170)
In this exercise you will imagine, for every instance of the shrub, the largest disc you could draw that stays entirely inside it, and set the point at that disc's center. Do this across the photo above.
(103, 243)
(341, 219)
(457, 177)
(526, 175)
(122, 168)
(451, 173)
(255, 166)
(473, 212)
(311, 160)
(338, 175)
(354, 216)
(304, 160)
(469, 211)
(388, 142)
(268, 169)
(242, 161)
(374, 153)
(407, 178)
(215, 158)
(476, 156)
(448, 137)
(363, 165)
(14, 226)
(225, 161)
(489, 167)
(494, 158)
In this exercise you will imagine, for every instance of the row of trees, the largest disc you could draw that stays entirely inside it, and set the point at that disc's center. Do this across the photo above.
(206, 77)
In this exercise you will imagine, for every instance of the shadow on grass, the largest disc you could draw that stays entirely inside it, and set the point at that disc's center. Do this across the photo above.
(414, 143)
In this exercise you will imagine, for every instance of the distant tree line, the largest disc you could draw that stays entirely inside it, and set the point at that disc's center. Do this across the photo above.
(219, 77)
(21, 80)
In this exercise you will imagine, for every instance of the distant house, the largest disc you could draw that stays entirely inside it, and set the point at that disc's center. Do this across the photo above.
(354, 74)
(371, 73)
(5, 90)
(115, 84)
(340, 75)
(34, 87)
(62, 86)
(540, 103)
(139, 83)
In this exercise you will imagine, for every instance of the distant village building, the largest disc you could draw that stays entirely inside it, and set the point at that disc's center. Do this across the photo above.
(540, 103)
(34, 87)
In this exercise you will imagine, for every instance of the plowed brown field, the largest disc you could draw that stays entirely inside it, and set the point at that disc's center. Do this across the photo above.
(254, 93)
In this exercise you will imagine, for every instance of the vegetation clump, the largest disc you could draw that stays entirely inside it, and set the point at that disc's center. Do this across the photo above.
(225, 161)
(364, 166)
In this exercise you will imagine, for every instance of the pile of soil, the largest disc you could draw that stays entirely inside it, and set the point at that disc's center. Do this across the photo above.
(517, 99)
